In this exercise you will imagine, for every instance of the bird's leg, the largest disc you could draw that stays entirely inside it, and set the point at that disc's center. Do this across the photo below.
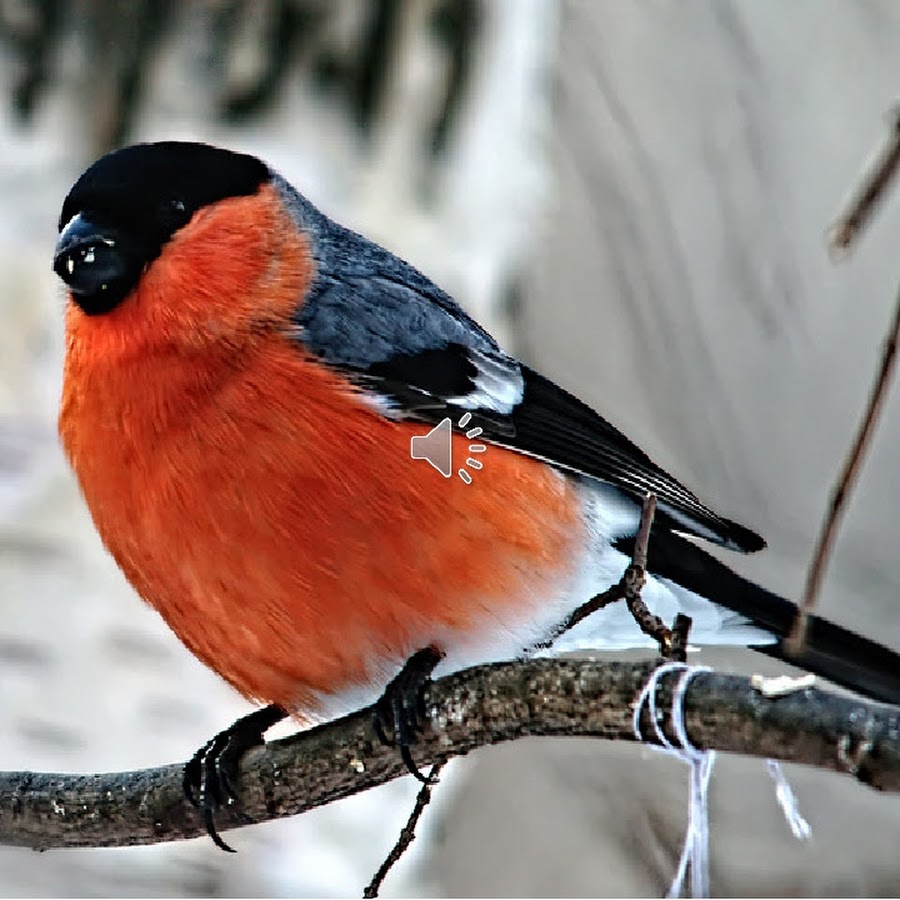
(401, 709)
(212, 774)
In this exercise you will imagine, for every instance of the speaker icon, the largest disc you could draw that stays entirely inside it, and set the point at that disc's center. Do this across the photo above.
(436, 447)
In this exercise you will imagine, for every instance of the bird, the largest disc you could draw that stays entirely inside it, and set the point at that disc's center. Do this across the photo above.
(243, 379)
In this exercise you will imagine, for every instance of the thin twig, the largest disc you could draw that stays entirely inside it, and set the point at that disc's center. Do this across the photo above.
(651, 624)
(796, 641)
(407, 835)
(670, 646)
(864, 200)
(642, 541)
(619, 591)
(598, 601)
(877, 177)
(679, 640)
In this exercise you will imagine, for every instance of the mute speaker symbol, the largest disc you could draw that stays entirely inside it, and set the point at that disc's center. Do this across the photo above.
(436, 447)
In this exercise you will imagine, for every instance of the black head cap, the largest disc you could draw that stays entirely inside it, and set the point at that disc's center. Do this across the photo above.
(122, 210)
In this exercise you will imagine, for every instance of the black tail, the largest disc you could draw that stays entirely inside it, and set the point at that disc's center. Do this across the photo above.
(833, 652)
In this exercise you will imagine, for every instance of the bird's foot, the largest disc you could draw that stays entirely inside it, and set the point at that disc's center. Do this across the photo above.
(210, 778)
(401, 709)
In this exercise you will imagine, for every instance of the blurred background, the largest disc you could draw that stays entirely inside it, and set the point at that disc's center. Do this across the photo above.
(631, 196)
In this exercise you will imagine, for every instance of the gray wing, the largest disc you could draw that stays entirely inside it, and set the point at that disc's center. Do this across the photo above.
(413, 349)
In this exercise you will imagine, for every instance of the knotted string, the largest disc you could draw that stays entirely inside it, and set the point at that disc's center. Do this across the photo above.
(695, 850)
(800, 828)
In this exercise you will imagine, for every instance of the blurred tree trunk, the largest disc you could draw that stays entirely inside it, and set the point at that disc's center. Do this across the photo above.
(681, 286)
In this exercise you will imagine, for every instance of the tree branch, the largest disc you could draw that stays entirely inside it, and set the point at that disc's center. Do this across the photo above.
(483, 705)
(796, 640)
(879, 175)
(867, 194)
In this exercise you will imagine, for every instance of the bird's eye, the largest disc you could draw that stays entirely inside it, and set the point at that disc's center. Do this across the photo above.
(175, 212)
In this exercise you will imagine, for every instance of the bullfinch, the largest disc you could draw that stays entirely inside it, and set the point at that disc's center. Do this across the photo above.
(245, 380)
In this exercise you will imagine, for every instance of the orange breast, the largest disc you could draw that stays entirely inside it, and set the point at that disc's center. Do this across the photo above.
(278, 524)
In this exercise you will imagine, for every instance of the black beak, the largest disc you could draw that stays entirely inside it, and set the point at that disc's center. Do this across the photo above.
(90, 261)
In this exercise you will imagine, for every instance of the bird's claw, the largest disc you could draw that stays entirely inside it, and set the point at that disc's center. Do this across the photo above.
(400, 714)
(211, 776)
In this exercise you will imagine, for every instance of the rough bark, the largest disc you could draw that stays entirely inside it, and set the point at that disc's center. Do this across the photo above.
(481, 706)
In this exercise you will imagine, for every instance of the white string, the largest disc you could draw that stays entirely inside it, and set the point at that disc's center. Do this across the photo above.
(695, 850)
(800, 828)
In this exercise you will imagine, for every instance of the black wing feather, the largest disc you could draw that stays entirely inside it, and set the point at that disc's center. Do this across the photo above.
(553, 424)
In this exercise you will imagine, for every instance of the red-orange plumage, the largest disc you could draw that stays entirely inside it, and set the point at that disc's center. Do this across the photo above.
(272, 517)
